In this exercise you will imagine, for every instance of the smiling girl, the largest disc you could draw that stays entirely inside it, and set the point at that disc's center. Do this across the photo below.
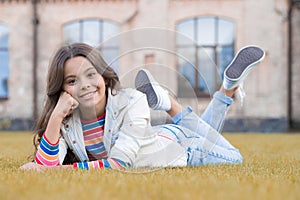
(89, 121)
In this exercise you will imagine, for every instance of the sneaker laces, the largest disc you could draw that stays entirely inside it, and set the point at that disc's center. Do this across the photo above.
(241, 93)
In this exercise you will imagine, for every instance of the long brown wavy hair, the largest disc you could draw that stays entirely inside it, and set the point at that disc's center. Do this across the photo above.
(55, 80)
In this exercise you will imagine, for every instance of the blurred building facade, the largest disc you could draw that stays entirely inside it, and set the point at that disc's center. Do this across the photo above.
(186, 44)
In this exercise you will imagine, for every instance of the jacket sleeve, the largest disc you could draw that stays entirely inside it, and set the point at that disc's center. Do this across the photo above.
(62, 150)
(110, 163)
(47, 153)
(133, 131)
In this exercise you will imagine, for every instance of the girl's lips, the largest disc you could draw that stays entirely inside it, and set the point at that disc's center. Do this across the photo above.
(87, 95)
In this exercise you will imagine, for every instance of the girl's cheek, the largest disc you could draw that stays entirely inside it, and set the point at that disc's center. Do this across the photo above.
(101, 82)
(71, 90)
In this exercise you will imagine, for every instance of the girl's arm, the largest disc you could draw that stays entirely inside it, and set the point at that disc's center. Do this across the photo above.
(65, 105)
(98, 164)
(134, 132)
(110, 163)
(47, 153)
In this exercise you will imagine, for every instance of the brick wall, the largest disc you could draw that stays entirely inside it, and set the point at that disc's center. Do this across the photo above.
(263, 23)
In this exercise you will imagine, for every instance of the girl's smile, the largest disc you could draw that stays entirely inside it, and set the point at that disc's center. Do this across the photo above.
(88, 95)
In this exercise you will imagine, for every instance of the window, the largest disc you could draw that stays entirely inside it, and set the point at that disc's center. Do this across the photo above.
(4, 64)
(97, 33)
(205, 46)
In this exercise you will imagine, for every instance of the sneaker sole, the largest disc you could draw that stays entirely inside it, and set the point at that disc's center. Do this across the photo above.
(143, 83)
(247, 57)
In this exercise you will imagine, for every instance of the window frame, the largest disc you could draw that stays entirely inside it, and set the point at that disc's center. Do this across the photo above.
(199, 47)
(114, 64)
(5, 49)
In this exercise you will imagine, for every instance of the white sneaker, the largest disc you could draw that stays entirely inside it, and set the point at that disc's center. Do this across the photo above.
(240, 67)
(158, 98)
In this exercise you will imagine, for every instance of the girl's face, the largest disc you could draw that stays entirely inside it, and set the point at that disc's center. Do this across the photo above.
(85, 84)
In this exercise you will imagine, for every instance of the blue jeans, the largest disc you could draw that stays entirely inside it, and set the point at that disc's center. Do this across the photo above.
(201, 135)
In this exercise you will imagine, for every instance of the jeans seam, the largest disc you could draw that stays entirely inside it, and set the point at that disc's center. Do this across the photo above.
(179, 116)
(212, 153)
(223, 98)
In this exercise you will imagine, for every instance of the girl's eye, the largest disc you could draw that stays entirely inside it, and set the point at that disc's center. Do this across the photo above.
(91, 74)
(71, 81)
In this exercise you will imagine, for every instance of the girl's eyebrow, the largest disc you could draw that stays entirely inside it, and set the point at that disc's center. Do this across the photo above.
(69, 76)
(89, 69)
(72, 76)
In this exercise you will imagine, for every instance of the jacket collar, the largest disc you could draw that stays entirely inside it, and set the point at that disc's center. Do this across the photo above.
(117, 101)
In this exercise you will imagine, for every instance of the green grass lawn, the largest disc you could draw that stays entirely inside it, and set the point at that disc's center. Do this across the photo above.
(271, 170)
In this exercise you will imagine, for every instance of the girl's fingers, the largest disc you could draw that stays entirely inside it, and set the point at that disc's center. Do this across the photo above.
(32, 166)
(71, 102)
(75, 103)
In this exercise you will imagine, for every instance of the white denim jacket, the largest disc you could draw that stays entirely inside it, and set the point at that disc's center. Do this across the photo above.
(128, 135)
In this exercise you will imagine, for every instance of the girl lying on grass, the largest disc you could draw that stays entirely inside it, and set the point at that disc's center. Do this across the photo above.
(89, 121)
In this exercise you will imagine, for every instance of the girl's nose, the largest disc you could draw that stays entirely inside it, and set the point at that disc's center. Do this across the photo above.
(85, 85)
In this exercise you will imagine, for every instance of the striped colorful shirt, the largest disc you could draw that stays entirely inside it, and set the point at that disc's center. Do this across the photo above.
(93, 138)
(93, 132)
